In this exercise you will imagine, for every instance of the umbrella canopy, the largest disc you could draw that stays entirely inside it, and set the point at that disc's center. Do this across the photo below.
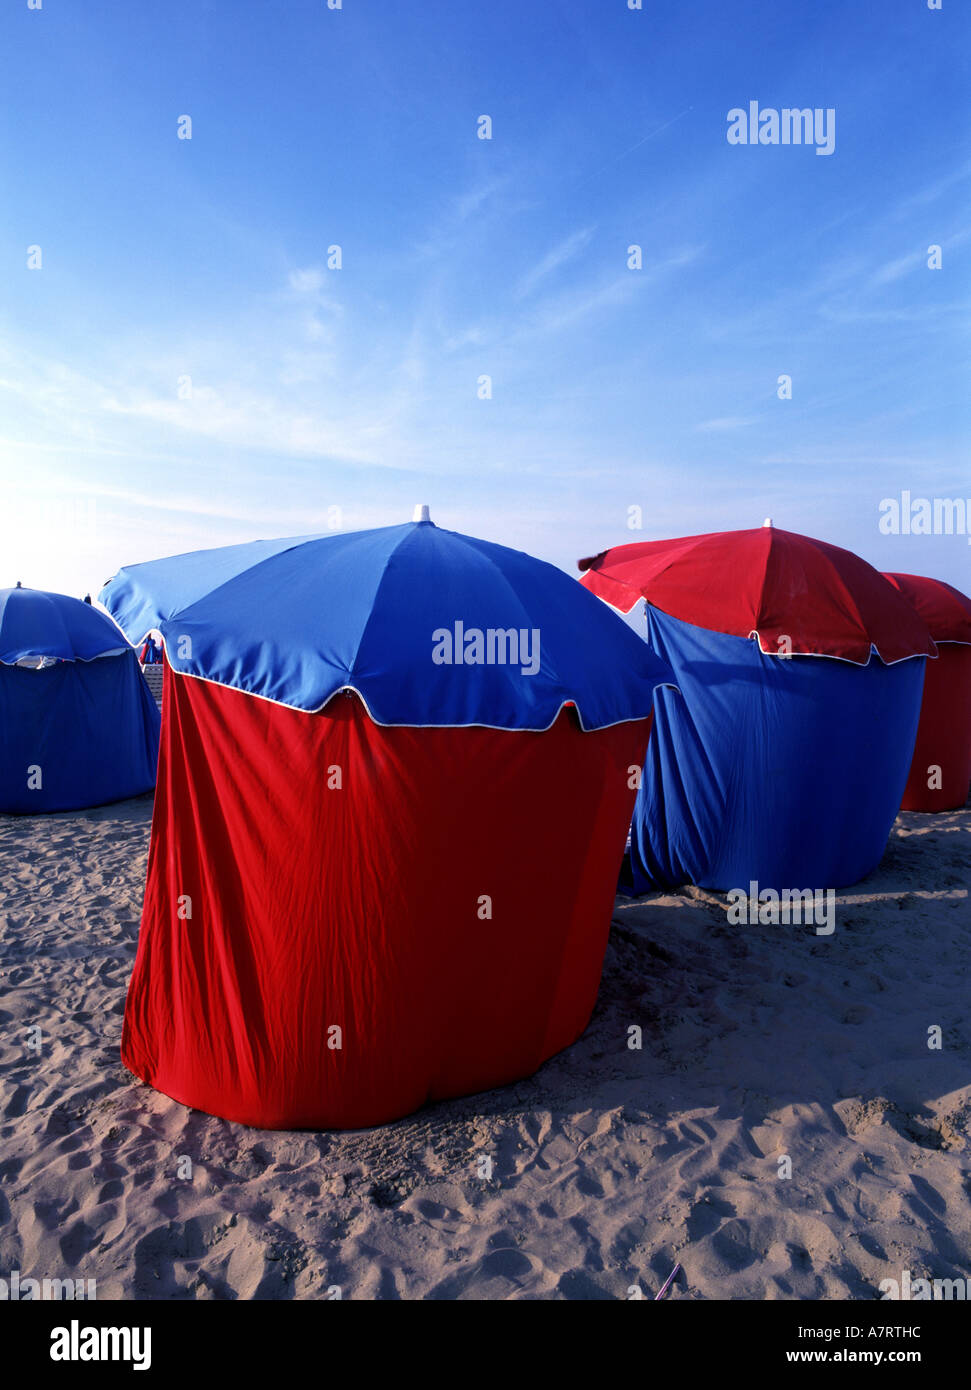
(944, 609)
(35, 623)
(429, 627)
(794, 594)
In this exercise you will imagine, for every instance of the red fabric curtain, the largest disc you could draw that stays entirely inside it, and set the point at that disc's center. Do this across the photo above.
(281, 906)
(944, 733)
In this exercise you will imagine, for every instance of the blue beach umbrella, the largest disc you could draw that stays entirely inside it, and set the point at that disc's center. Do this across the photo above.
(395, 783)
(78, 726)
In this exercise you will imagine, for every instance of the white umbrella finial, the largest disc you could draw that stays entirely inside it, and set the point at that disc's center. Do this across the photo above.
(422, 512)
(767, 521)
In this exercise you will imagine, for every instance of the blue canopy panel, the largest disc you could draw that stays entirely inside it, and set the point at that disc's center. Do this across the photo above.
(35, 623)
(140, 597)
(786, 772)
(429, 627)
(86, 731)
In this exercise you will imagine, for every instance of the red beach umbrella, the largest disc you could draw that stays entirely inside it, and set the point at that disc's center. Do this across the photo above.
(788, 772)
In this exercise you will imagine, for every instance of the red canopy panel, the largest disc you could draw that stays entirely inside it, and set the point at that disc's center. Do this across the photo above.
(944, 609)
(941, 767)
(446, 907)
(766, 583)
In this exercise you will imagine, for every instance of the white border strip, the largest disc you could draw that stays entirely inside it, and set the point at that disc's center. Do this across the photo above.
(780, 656)
(85, 660)
(398, 724)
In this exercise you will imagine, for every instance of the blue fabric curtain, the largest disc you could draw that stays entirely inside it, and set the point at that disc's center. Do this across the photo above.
(91, 727)
(786, 772)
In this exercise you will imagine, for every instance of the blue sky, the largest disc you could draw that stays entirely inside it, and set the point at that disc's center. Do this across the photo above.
(357, 388)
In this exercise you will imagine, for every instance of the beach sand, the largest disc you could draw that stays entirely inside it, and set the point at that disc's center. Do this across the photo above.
(608, 1167)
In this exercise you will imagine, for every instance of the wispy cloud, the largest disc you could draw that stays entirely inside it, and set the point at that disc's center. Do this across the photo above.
(932, 191)
(913, 260)
(896, 269)
(247, 421)
(553, 260)
(724, 423)
(456, 212)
